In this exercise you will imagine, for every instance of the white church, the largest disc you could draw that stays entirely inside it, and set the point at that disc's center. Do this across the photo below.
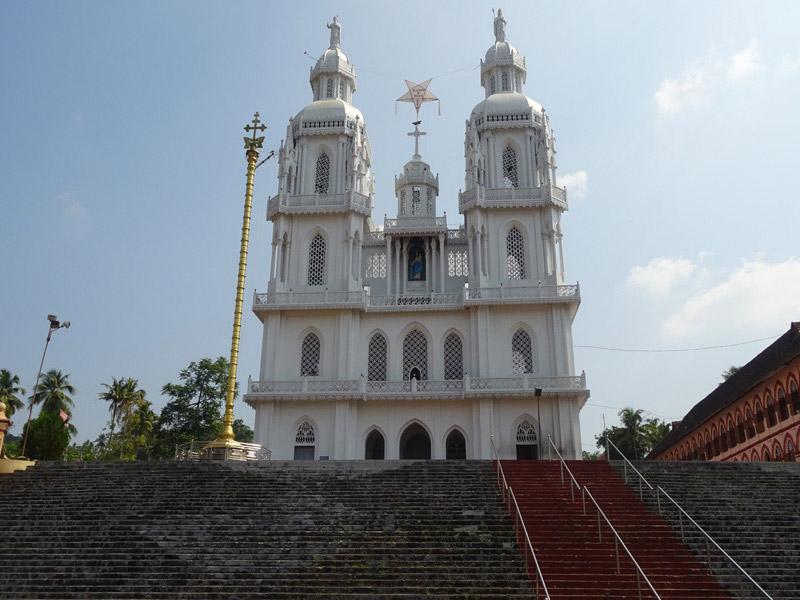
(410, 339)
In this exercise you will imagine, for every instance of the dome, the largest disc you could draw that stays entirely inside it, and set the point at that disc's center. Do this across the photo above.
(509, 103)
(331, 109)
(417, 171)
(501, 53)
(332, 61)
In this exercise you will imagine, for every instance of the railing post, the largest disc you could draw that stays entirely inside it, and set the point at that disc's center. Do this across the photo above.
(680, 519)
(641, 494)
(599, 529)
(625, 469)
(638, 584)
(583, 500)
(616, 551)
(708, 555)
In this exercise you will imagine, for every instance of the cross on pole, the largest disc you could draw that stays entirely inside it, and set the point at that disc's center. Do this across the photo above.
(416, 133)
(254, 142)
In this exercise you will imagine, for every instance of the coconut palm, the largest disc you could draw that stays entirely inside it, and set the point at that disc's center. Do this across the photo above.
(10, 392)
(122, 395)
(54, 393)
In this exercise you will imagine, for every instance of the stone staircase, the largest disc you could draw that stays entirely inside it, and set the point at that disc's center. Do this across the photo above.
(350, 530)
(752, 510)
(575, 563)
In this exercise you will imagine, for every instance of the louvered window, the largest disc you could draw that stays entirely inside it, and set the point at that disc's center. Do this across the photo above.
(521, 352)
(415, 355)
(309, 356)
(505, 81)
(322, 176)
(515, 254)
(377, 357)
(510, 170)
(316, 261)
(329, 89)
(415, 198)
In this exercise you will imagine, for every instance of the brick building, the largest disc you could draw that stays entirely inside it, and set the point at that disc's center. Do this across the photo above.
(752, 416)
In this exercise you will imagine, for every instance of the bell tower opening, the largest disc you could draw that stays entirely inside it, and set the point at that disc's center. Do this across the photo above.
(415, 443)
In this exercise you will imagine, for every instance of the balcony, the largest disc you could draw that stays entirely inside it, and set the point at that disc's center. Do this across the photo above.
(319, 203)
(539, 294)
(311, 388)
(361, 299)
(416, 225)
(513, 198)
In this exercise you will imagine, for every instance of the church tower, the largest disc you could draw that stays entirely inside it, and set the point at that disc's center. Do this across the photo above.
(325, 184)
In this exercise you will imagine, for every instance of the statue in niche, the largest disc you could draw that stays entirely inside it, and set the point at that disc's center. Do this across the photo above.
(416, 260)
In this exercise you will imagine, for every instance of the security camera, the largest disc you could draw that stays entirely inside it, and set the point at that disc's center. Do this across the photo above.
(52, 318)
(66, 324)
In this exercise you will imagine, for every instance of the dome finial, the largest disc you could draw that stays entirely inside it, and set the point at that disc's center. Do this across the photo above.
(499, 26)
(336, 33)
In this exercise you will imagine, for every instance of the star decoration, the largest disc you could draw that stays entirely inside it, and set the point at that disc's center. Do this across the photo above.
(417, 94)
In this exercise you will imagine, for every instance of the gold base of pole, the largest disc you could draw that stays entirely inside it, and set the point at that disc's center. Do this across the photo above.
(9, 465)
(222, 449)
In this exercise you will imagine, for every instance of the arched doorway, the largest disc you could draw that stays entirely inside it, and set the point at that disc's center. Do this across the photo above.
(375, 447)
(415, 443)
(527, 441)
(455, 446)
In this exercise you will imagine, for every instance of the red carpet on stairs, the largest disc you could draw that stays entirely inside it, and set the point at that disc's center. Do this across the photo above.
(575, 564)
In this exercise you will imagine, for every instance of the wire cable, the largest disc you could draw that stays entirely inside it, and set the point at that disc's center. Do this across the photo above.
(662, 350)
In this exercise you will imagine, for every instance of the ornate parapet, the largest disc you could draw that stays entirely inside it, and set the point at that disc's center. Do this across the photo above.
(319, 204)
(537, 197)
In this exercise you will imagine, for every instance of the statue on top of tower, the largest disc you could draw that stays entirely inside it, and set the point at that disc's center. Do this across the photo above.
(336, 33)
(500, 26)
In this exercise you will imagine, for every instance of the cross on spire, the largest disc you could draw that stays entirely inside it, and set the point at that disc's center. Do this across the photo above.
(416, 133)
(254, 142)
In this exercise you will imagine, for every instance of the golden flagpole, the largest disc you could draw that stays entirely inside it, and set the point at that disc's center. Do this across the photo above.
(225, 445)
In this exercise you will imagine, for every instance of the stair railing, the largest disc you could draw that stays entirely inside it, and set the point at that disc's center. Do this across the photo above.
(601, 516)
(519, 524)
(709, 541)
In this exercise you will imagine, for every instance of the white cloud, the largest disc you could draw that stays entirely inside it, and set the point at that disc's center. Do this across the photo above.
(661, 274)
(702, 78)
(758, 298)
(674, 95)
(746, 62)
(575, 183)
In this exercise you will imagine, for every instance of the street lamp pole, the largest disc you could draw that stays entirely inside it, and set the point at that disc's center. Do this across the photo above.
(55, 325)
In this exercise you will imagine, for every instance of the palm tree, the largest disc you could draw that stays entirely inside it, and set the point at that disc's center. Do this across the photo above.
(53, 392)
(122, 395)
(9, 390)
(632, 429)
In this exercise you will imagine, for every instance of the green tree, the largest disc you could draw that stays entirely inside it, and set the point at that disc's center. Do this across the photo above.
(54, 393)
(122, 395)
(195, 409)
(84, 452)
(241, 431)
(48, 437)
(635, 437)
(730, 372)
(10, 392)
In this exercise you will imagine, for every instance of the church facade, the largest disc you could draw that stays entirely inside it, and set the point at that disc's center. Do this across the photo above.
(412, 339)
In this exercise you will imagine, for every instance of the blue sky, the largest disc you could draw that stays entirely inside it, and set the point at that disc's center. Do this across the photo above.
(121, 173)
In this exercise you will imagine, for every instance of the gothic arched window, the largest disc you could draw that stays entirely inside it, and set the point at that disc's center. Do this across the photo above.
(455, 446)
(515, 254)
(492, 85)
(322, 176)
(429, 202)
(316, 260)
(305, 440)
(505, 81)
(526, 433)
(403, 202)
(377, 358)
(415, 355)
(783, 407)
(510, 171)
(309, 356)
(329, 89)
(453, 357)
(521, 352)
(341, 89)
(795, 396)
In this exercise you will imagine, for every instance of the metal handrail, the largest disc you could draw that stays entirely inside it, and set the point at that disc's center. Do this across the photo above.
(508, 496)
(625, 466)
(617, 539)
(660, 490)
